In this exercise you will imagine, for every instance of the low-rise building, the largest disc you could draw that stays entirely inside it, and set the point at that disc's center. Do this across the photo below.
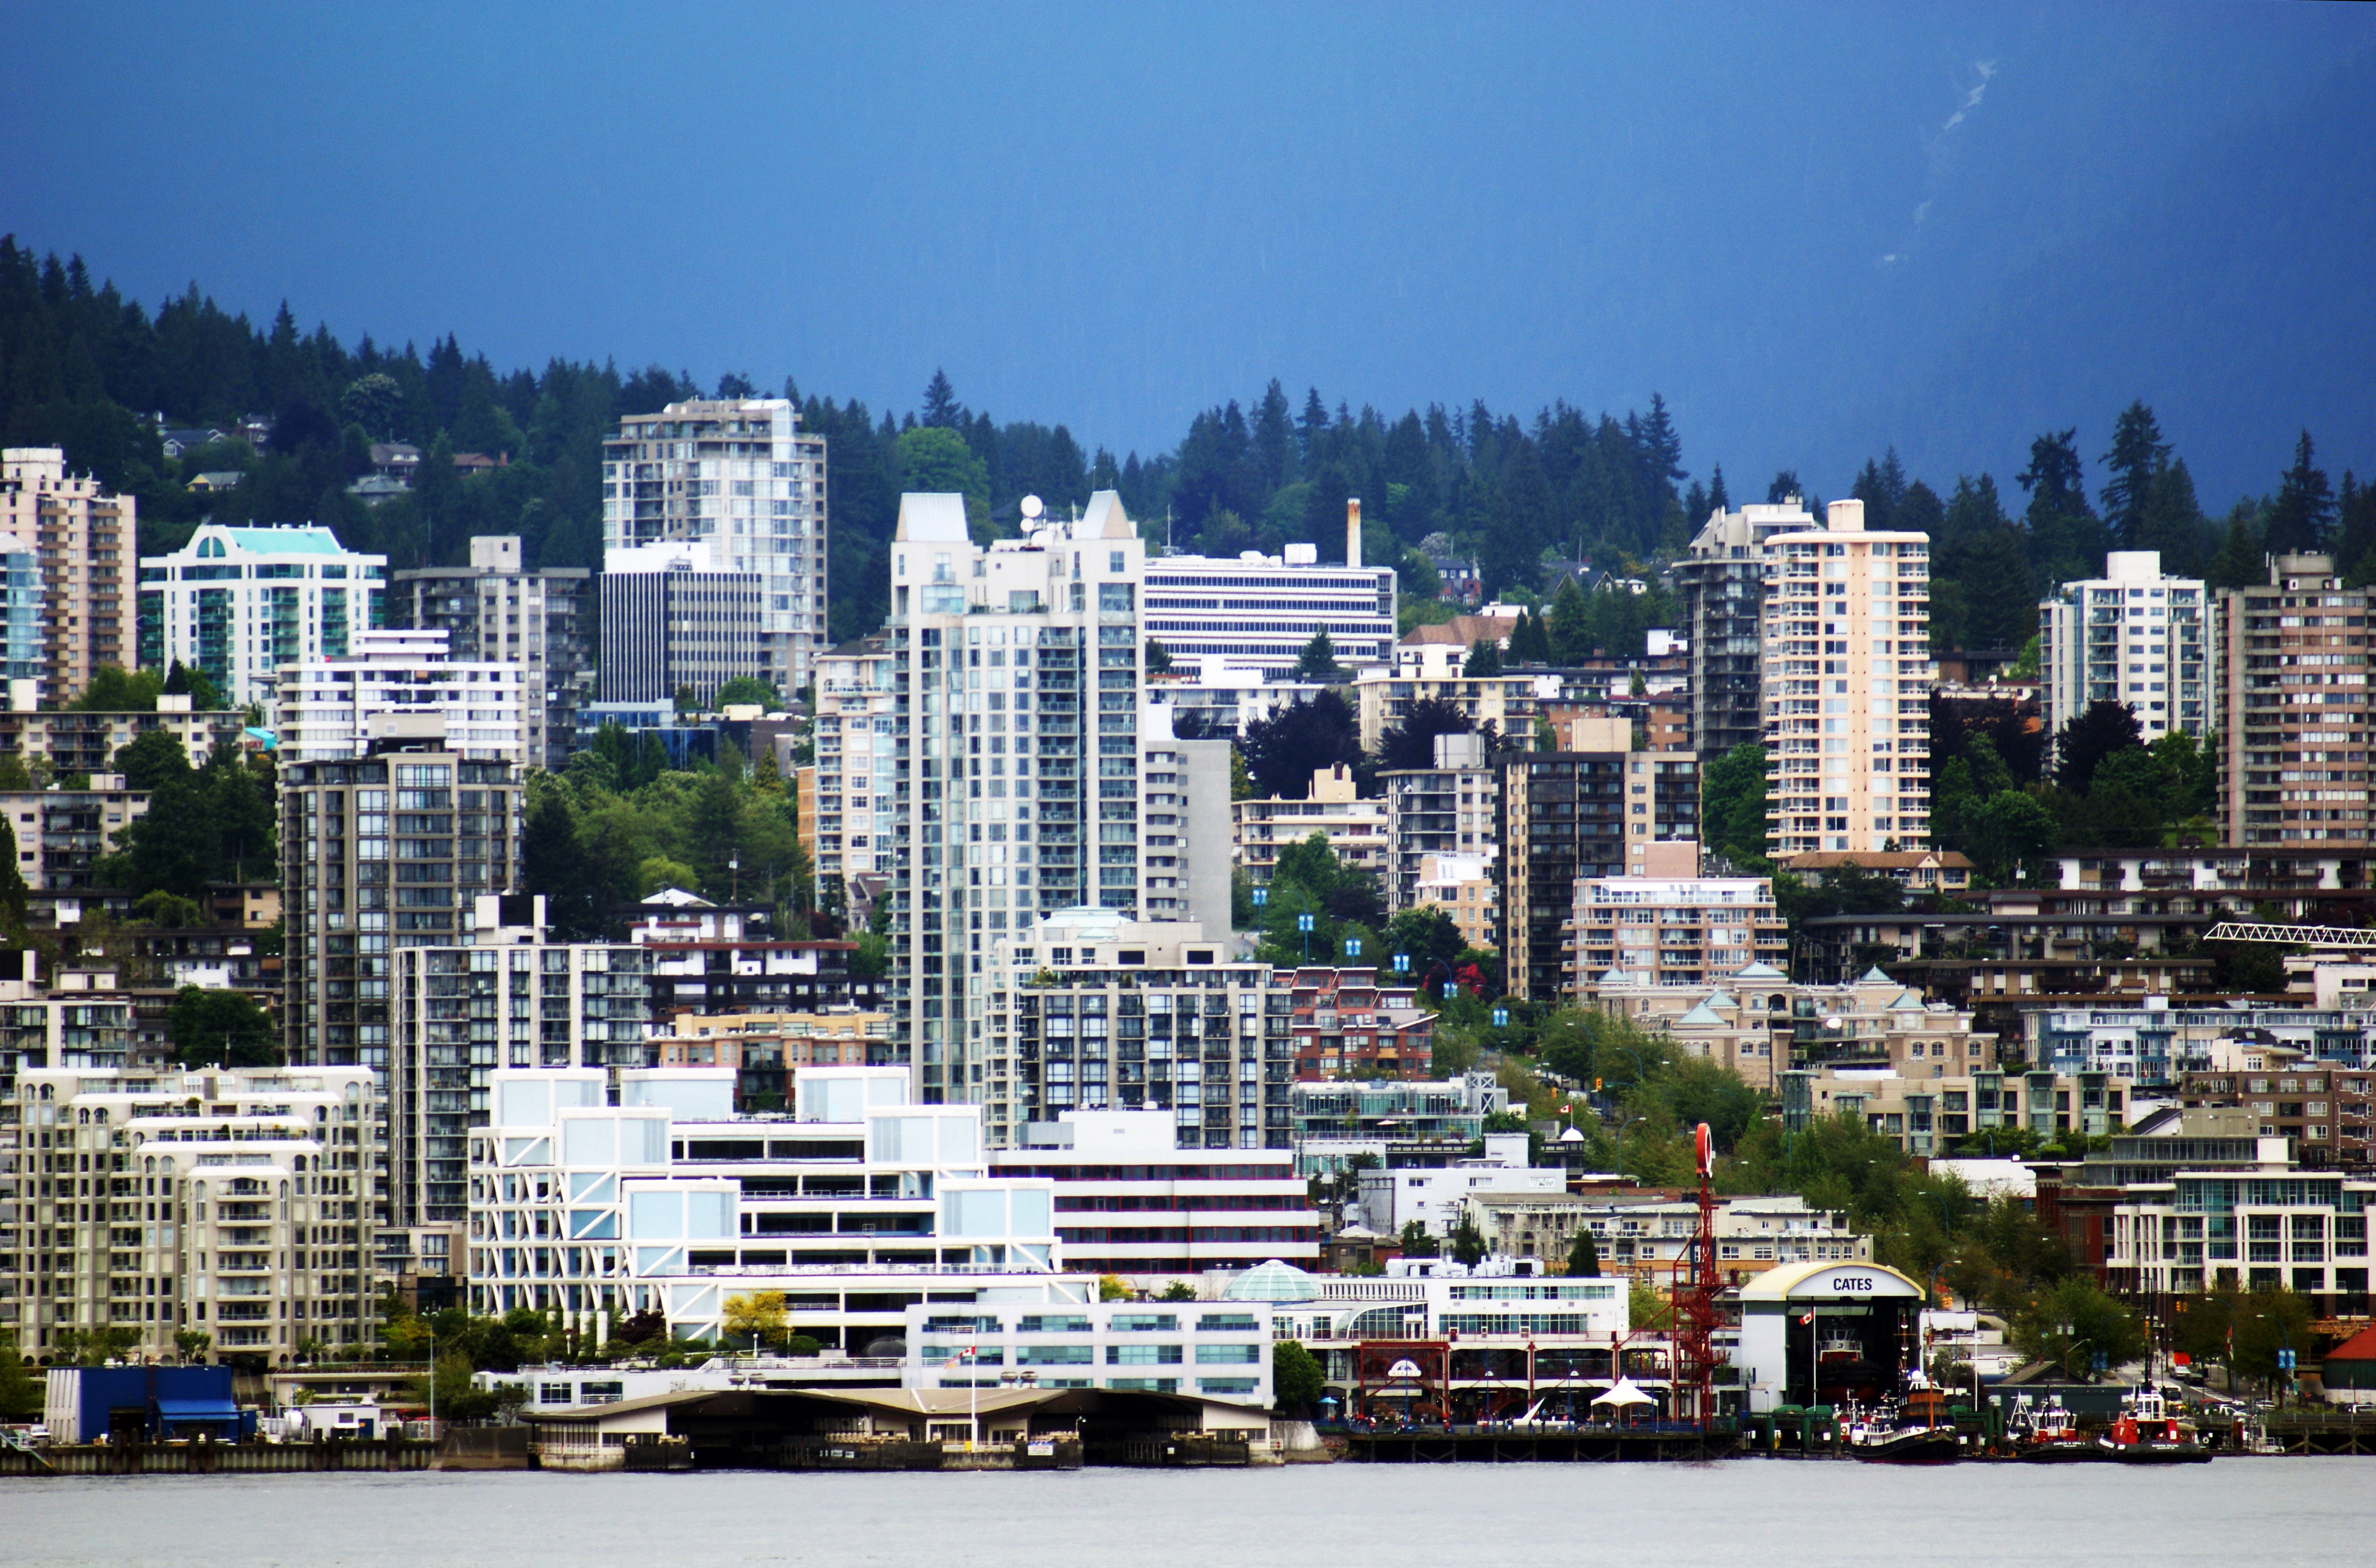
(766, 1049)
(1345, 1023)
(1397, 1125)
(60, 832)
(1647, 1236)
(2264, 1227)
(1219, 1348)
(1918, 871)
(87, 743)
(1758, 1023)
(1132, 1202)
(1355, 828)
(236, 1203)
(2322, 1113)
(2162, 1038)
(1925, 1116)
(1676, 928)
(1383, 699)
(1434, 1197)
(852, 1207)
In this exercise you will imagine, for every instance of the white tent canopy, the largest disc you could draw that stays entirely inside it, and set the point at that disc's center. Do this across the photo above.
(1625, 1392)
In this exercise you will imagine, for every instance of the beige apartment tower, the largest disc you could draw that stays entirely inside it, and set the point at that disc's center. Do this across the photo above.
(84, 538)
(2293, 723)
(1848, 674)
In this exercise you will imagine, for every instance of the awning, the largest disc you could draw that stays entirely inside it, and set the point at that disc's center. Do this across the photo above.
(197, 1411)
(1625, 1393)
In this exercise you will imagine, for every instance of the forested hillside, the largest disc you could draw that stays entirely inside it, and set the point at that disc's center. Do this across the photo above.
(85, 368)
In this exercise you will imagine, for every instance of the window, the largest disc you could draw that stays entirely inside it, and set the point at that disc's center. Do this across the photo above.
(1143, 1355)
(1228, 1355)
(1145, 1323)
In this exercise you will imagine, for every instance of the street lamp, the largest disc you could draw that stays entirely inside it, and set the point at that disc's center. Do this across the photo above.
(1303, 924)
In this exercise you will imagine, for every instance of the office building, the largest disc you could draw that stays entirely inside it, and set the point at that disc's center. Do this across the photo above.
(2135, 637)
(1333, 808)
(1847, 676)
(1676, 929)
(240, 603)
(1439, 814)
(740, 475)
(2292, 672)
(676, 618)
(1260, 610)
(1594, 809)
(238, 1202)
(381, 853)
(66, 612)
(855, 1205)
(495, 611)
(1089, 1010)
(402, 686)
(1132, 1201)
(1723, 585)
(1017, 795)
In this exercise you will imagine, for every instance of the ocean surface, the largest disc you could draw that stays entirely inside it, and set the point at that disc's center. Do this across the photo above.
(1767, 1514)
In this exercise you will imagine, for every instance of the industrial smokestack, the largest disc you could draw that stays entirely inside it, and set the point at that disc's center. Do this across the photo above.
(1353, 530)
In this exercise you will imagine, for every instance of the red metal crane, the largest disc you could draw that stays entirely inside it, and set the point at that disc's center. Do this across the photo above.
(1697, 1315)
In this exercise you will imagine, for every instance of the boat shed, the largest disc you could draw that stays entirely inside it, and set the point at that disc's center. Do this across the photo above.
(1826, 1334)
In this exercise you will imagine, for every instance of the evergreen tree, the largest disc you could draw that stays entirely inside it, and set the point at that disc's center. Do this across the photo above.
(942, 410)
(2239, 563)
(1584, 1255)
(1318, 659)
(1718, 499)
(2304, 510)
(1571, 625)
(2171, 521)
(2136, 460)
(1484, 658)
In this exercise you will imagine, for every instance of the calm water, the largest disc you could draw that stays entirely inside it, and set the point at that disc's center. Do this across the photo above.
(1771, 1513)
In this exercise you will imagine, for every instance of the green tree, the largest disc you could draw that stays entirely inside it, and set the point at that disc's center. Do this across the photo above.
(1284, 750)
(1417, 1242)
(1484, 658)
(1318, 659)
(2073, 1324)
(193, 1345)
(1159, 657)
(1467, 1243)
(750, 689)
(1410, 741)
(118, 691)
(1178, 1291)
(1733, 810)
(1297, 1383)
(2005, 831)
(20, 1397)
(2136, 458)
(2265, 1322)
(1584, 1255)
(2304, 509)
(150, 759)
(757, 1316)
(214, 1029)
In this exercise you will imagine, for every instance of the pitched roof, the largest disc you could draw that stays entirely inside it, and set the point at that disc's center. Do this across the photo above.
(2361, 1347)
(1876, 860)
(1874, 977)
(1703, 1015)
(1758, 971)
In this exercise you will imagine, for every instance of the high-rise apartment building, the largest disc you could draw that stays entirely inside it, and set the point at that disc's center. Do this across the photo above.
(2292, 674)
(241, 602)
(382, 852)
(1259, 611)
(1594, 809)
(674, 618)
(1022, 772)
(1848, 674)
(1090, 1010)
(2134, 637)
(400, 685)
(1439, 812)
(494, 611)
(238, 1202)
(853, 800)
(1723, 584)
(739, 473)
(83, 539)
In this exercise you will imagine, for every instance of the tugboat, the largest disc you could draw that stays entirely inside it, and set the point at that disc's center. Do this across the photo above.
(1916, 1432)
(2049, 1434)
(2147, 1433)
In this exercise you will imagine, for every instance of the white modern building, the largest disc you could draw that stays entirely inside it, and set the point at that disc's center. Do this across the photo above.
(1434, 1198)
(855, 732)
(1848, 674)
(1219, 1348)
(678, 615)
(402, 683)
(2134, 635)
(238, 1202)
(1260, 610)
(242, 602)
(738, 473)
(1132, 1201)
(853, 1209)
(1028, 773)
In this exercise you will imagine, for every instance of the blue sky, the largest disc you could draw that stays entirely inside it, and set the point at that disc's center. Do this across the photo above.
(1817, 229)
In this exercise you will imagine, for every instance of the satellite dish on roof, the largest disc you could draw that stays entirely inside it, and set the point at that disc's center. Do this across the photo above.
(1033, 506)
